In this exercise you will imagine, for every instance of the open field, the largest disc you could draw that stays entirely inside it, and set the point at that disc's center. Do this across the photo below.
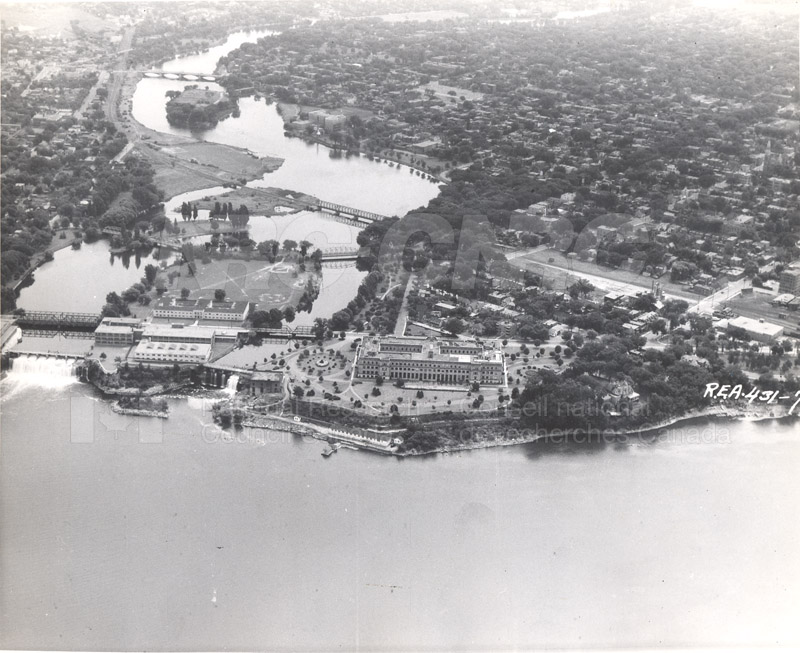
(194, 228)
(260, 355)
(182, 167)
(55, 20)
(270, 285)
(444, 92)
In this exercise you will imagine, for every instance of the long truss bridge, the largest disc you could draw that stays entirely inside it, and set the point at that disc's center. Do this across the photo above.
(49, 321)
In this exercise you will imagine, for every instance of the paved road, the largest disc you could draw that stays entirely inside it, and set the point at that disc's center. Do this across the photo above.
(707, 304)
(102, 78)
(118, 78)
(402, 316)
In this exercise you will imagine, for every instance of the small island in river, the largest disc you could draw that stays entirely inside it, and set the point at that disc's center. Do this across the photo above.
(196, 108)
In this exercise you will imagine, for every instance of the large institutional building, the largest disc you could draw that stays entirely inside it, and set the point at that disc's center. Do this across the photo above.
(201, 309)
(433, 360)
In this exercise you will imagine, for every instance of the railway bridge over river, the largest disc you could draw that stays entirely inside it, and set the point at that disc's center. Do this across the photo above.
(54, 321)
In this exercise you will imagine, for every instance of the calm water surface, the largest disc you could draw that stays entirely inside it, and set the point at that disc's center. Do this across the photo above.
(79, 281)
(172, 534)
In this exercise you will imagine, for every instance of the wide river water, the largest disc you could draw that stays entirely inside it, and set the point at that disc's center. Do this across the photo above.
(136, 533)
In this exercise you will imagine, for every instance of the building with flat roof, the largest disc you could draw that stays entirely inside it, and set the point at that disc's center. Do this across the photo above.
(115, 336)
(191, 334)
(790, 282)
(260, 383)
(433, 360)
(328, 121)
(200, 309)
(757, 329)
(116, 331)
(171, 352)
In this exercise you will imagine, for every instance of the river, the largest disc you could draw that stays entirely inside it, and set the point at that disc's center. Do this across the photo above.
(172, 534)
(137, 533)
(81, 280)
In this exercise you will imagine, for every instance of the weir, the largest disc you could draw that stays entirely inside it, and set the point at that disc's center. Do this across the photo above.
(221, 377)
(32, 365)
(32, 353)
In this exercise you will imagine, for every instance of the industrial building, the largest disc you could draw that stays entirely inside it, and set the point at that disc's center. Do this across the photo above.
(191, 334)
(171, 352)
(756, 329)
(116, 331)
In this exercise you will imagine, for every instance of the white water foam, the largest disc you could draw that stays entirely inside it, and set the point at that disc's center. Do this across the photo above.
(232, 384)
(40, 371)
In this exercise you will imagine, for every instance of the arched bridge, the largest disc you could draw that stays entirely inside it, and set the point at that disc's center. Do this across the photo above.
(52, 321)
(188, 76)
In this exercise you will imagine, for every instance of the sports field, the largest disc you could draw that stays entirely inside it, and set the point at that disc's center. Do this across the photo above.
(269, 285)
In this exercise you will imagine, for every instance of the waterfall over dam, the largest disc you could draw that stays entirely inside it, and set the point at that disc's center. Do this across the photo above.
(44, 371)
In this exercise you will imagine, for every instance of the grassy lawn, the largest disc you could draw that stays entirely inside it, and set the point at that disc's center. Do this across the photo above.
(270, 285)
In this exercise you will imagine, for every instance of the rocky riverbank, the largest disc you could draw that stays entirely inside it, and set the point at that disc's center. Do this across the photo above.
(139, 412)
(526, 436)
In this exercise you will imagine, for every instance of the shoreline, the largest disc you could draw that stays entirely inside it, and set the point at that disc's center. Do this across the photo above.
(292, 109)
(712, 414)
(185, 163)
(610, 433)
(438, 178)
